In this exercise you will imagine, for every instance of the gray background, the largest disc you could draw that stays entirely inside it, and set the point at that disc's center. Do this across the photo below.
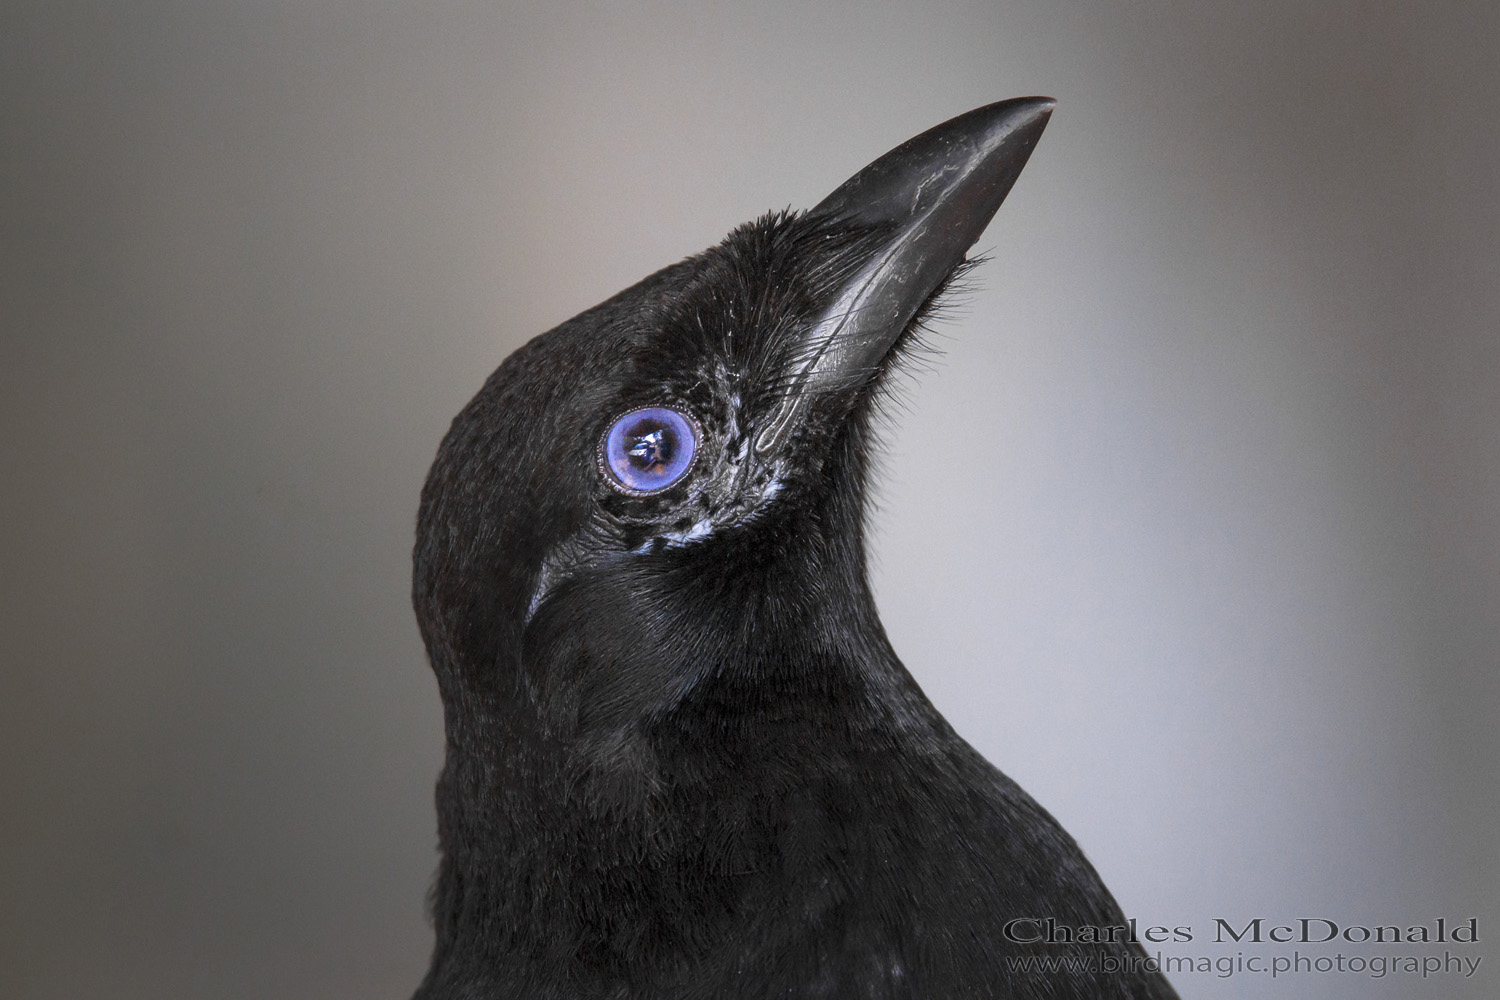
(1194, 529)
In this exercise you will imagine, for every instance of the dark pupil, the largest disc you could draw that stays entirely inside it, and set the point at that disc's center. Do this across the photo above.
(649, 445)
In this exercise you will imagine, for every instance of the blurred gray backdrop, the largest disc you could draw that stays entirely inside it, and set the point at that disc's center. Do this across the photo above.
(1194, 529)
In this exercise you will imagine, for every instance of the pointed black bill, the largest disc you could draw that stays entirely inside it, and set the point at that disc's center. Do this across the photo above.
(938, 192)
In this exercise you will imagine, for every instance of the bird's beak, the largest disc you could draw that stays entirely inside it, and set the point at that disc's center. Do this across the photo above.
(935, 193)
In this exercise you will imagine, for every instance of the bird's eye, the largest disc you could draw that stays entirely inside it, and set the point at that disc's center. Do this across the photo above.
(649, 449)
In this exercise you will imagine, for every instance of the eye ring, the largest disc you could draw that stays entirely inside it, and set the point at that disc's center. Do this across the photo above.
(649, 449)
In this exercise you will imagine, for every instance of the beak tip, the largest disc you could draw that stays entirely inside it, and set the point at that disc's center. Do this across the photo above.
(1038, 106)
(1005, 122)
(996, 138)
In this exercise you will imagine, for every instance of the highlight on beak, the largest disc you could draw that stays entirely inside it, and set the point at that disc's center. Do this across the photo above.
(937, 192)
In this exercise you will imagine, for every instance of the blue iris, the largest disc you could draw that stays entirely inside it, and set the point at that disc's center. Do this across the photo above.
(649, 449)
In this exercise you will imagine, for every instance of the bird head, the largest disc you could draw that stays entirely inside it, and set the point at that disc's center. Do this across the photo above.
(670, 486)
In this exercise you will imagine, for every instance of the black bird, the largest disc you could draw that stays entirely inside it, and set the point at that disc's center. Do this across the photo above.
(682, 757)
